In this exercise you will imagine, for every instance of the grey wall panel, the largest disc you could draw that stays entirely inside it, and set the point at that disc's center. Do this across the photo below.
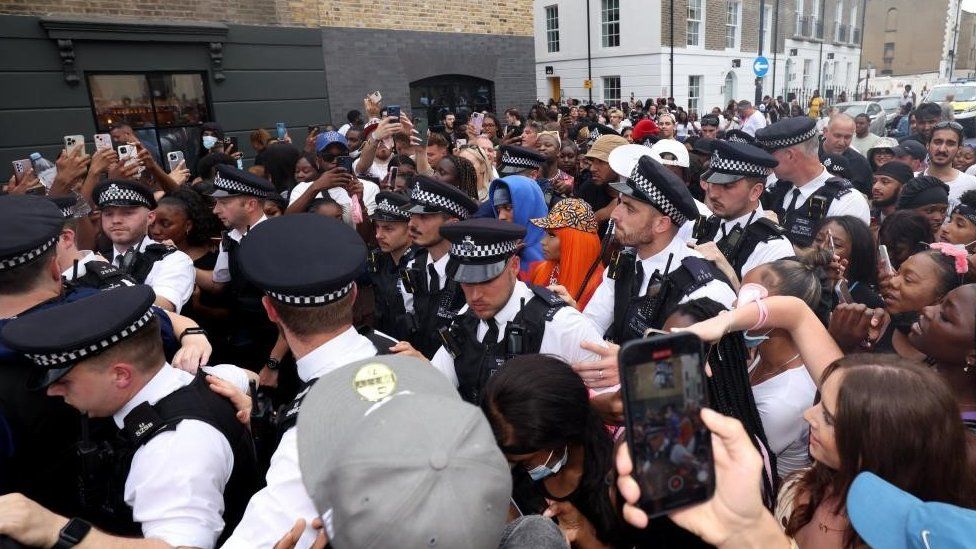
(40, 127)
(39, 90)
(506, 60)
(263, 57)
(270, 84)
(247, 115)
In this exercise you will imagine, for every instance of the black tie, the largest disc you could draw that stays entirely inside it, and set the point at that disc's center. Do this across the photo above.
(435, 279)
(491, 336)
(792, 206)
(635, 287)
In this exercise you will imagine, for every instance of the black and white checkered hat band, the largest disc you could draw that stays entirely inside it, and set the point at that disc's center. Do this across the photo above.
(236, 187)
(658, 198)
(312, 300)
(509, 159)
(735, 138)
(27, 256)
(467, 249)
(114, 193)
(737, 167)
(788, 141)
(426, 198)
(386, 207)
(55, 360)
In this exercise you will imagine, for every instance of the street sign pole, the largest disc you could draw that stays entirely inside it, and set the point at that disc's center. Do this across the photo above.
(762, 24)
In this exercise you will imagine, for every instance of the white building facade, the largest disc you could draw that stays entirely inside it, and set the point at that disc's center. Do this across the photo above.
(715, 45)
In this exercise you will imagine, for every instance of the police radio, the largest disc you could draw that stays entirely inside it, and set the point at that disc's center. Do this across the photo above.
(449, 341)
(818, 207)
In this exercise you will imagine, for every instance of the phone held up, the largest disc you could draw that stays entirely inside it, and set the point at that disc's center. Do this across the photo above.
(103, 141)
(663, 385)
(70, 141)
(174, 158)
(885, 259)
(345, 162)
(281, 130)
(393, 111)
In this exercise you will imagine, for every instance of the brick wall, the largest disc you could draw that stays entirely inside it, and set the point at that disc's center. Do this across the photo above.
(499, 17)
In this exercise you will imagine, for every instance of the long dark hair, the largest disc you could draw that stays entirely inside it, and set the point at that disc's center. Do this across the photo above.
(729, 390)
(913, 438)
(536, 402)
(279, 162)
(862, 265)
(904, 232)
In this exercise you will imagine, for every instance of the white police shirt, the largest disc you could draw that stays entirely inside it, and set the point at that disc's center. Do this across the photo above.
(852, 203)
(78, 270)
(600, 308)
(440, 267)
(562, 336)
(273, 510)
(172, 277)
(183, 504)
(765, 252)
(221, 272)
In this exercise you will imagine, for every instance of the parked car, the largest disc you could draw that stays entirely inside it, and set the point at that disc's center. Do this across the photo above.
(872, 109)
(963, 103)
(890, 103)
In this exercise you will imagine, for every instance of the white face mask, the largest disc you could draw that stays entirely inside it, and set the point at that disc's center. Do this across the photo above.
(209, 141)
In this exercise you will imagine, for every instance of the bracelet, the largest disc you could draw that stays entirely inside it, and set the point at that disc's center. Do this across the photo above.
(193, 330)
(763, 314)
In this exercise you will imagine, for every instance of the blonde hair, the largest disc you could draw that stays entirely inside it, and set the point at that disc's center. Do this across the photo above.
(478, 158)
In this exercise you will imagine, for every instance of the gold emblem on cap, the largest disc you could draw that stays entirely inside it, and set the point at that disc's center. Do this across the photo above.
(374, 381)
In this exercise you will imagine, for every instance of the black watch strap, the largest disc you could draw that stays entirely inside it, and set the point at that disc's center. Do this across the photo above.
(273, 364)
(193, 331)
(72, 533)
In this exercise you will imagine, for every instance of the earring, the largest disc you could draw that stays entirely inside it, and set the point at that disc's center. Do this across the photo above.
(969, 364)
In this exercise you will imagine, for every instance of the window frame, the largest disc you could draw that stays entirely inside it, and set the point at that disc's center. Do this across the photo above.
(610, 28)
(733, 10)
(552, 28)
(607, 99)
(698, 23)
(696, 82)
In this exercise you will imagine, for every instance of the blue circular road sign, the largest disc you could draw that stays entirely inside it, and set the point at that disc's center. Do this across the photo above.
(760, 66)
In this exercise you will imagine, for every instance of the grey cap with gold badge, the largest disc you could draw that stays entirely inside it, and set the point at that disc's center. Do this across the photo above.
(392, 457)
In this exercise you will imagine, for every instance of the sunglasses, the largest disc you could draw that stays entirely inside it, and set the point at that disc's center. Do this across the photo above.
(948, 124)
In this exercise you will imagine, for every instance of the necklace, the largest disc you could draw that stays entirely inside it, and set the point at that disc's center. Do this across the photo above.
(775, 371)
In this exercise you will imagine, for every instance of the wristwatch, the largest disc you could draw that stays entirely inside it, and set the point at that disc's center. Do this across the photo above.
(72, 533)
(273, 364)
(194, 330)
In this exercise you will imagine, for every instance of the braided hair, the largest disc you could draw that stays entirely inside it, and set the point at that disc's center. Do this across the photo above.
(467, 177)
(729, 391)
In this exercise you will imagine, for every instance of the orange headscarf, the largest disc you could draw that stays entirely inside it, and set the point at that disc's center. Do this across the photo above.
(577, 252)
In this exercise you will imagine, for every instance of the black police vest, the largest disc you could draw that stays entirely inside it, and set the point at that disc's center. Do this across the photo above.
(101, 276)
(287, 416)
(390, 313)
(737, 245)
(475, 364)
(142, 261)
(247, 297)
(433, 310)
(142, 424)
(634, 314)
(801, 224)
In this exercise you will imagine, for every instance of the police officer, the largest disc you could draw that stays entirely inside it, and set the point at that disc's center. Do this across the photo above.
(645, 282)
(806, 192)
(503, 317)
(309, 286)
(126, 214)
(436, 294)
(239, 203)
(83, 268)
(734, 183)
(388, 263)
(103, 354)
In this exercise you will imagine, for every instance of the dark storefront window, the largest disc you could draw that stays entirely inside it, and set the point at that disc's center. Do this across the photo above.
(459, 94)
(164, 109)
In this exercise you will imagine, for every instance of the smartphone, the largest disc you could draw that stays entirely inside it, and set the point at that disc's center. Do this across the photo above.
(476, 120)
(128, 154)
(103, 141)
(345, 162)
(885, 259)
(72, 140)
(844, 292)
(313, 130)
(174, 158)
(282, 129)
(514, 131)
(393, 111)
(21, 167)
(233, 142)
(392, 176)
(461, 142)
(663, 385)
(376, 96)
(833, 248)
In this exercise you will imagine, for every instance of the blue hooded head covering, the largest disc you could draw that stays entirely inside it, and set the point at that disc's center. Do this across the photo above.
(527, 203)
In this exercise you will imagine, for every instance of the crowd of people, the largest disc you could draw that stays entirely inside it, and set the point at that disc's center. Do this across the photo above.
(386, 337)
